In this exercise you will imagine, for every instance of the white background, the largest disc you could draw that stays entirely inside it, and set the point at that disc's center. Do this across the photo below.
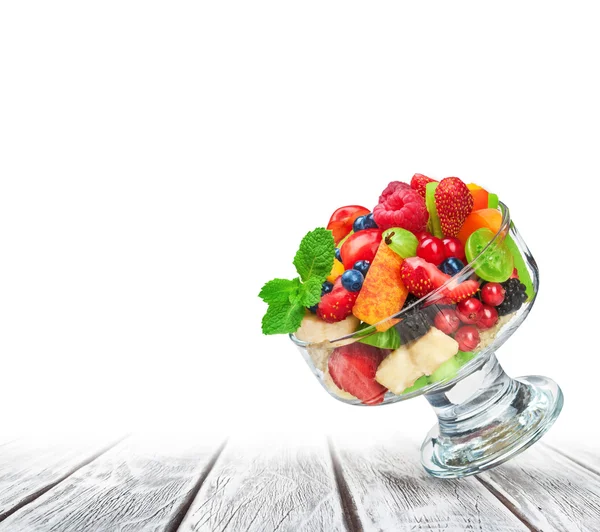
(160, 162)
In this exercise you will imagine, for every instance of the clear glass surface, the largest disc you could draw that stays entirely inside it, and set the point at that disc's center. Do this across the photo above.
(484, 416)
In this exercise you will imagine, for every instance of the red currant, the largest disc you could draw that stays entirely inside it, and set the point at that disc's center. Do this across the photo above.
(454, 248)
(467, 337)
(431, 249)
(447, 321)
(488, 318)
(469, 310)
(493, 294)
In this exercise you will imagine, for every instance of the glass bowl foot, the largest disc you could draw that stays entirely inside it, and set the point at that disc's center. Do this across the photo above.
(487, 418)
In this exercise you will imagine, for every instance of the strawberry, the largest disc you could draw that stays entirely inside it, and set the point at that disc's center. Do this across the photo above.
(418, 183)
(337, 304)
(352, 368)
(422, 277)
(416, 279)
(454, 203)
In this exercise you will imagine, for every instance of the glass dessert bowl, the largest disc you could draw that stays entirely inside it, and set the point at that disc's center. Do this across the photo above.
(446, 351)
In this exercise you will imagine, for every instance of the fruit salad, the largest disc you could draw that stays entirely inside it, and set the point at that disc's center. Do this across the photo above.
(394, 301)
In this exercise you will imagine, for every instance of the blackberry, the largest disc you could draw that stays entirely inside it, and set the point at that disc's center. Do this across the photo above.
(514, 298)
(416, 322)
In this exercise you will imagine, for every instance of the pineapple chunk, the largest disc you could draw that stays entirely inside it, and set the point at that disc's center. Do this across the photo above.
(314, 330)
(334, 389)
(432, 350)
(398, 371)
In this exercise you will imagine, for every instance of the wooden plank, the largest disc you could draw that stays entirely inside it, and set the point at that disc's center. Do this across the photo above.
(275, 485)
(30, 467)
(548, 490)
(139, 485)
(581, 454)
(391, 491)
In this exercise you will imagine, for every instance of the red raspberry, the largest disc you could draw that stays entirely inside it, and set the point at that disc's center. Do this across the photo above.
(402, 207)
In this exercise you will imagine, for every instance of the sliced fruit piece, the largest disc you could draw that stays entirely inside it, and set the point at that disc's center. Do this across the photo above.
(432, 350)
(398, 371)
(480, 196)
(336, 271)
(421, 382)
(337, 304)
(493, 201)
(415, 277)
(383, 293)
(434, 226)
(340, 223)
(496, 264)
(446, 371)
(490, 218)
(419, 182)
(401, 241)
(353, 367)
(331, 386)
(360, 246)
(314, 330)
(519, 263)
(454, 203)
(465, 356)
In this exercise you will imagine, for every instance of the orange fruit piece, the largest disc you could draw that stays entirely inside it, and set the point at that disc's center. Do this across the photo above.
(490, 218)
(336, 270)
(383, 293)
(480, 196)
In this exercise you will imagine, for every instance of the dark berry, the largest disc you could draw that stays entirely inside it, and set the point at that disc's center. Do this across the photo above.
(452, 266)
(359, 224)
(352, 280)
(362, 266)
(313, 309)
(514, 297)
(369, 223)
(415, 325)
(337, 254)
(326, 288)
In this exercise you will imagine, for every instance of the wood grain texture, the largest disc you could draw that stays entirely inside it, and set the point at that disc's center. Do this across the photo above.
(136, 486)
(268, 486)
(548, 490)
(28, 468)
(583, 455)
(391, 491)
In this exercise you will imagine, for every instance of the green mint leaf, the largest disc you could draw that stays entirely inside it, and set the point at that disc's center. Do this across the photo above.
(315, 256)
(282, 318)
(310, 292)
(280, 291)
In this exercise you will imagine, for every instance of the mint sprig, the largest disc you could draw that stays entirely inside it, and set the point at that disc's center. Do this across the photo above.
(288, 299)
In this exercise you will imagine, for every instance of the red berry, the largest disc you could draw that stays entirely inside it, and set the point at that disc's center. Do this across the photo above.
(493, 294)
(446, 320)
(454, 248)
(488, 318)
(467, 337)
(422, 235)
(469, 310)
(401, 206)
(432, 250)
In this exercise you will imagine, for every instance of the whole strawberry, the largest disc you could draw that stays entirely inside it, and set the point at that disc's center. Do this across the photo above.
(454, 203)
(337, 304)
(418, 183)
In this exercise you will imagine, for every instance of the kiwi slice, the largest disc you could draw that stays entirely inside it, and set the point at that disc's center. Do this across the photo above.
(446, 370)
(421, 382)
(519, 263)
(492, 201)
(434, 226)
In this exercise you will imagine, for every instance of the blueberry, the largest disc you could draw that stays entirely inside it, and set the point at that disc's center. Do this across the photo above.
(337, 254)
(369, 222)
(352, 280)
(359, 224)
(313, 309)
(451, 266)
(362, 266)
(326, 288)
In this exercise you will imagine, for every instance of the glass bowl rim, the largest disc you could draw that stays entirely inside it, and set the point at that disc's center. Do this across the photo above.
(432, 296)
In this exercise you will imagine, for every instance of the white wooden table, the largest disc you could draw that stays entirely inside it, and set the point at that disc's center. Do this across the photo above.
(327, 484)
